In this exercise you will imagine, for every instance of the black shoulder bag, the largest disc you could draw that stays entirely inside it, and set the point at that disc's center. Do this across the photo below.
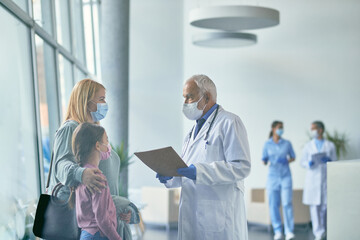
(55, 219)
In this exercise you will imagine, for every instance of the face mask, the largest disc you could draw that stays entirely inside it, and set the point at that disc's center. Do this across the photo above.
(191, 111)
(105, 155)
(100, 113)
(314, 133)
(279, 131)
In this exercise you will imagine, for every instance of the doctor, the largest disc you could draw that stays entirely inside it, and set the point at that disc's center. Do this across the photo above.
(217, 152)
(315, 181)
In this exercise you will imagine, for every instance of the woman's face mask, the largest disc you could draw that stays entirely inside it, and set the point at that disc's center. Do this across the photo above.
(191, 111)
(102, 109)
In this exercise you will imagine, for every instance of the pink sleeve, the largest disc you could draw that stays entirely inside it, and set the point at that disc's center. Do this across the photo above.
(100, 204)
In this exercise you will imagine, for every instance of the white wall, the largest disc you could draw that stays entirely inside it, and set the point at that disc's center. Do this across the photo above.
(305, 69)
(156, 74)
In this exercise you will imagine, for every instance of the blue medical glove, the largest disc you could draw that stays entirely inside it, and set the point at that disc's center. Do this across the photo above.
(325, 159)
(265, 160)
(282, 160)
(189, 172)
(311, 163)
(163, 179)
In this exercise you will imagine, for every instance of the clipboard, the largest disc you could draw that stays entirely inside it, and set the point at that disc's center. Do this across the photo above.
(164, 161)
(317, 158)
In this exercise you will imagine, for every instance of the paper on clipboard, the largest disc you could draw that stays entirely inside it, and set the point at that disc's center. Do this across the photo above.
(317, 157)
(164, 161)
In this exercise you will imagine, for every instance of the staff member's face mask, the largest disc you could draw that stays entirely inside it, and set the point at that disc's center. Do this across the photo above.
(280, 132)
(191, 111)
(314, 133)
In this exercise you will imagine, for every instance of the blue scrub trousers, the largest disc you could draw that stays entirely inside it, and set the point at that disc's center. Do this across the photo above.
(279, 188)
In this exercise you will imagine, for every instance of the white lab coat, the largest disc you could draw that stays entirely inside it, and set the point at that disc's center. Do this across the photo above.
(212, 207)
(315, 180)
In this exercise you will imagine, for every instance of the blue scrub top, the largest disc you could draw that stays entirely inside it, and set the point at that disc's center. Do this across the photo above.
(272, 151)
(279, 176)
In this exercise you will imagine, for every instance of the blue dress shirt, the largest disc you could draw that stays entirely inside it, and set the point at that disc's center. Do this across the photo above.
(319, 144)
(204, 118)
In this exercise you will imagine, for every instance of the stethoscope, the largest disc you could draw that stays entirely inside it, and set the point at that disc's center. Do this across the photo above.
(206, 135)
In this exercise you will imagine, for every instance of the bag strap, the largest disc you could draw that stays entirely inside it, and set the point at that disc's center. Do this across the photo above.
(51, 163)
(56, 189)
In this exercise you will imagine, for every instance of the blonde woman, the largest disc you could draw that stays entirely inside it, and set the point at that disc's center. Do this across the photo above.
(87, 104)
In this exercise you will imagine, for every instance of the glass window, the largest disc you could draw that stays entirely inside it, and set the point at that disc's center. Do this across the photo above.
(23, 4)
(79, 75)
(47, 90)
(97, 37)
(62, 23)
(51, 87)
(66, 82)
(79, 42)
(42, 11)
(89, 40)
(19, 178)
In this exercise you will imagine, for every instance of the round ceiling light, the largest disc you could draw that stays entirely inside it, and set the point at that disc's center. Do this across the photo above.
(234, 18)
(224, 39)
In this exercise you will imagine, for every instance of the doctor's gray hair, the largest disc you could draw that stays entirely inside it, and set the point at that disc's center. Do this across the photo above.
(206, 85)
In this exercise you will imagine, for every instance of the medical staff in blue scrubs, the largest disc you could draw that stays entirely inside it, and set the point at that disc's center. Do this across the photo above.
(278, 152)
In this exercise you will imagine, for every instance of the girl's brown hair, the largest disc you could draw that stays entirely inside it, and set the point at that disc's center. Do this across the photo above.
(82, 93)
(84, 140)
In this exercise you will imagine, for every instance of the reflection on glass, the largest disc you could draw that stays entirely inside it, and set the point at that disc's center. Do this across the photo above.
(66, 82)
(89, 41)
(19, 178)
(62, 23)
(97, 37)
(42, 10)
(23, 4)
(79, 42)
(49, 116)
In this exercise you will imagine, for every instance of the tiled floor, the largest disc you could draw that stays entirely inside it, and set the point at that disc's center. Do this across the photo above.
(261, 233)
(255, 233)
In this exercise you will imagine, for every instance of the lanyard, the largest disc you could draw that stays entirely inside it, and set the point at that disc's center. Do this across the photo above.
(206, 135)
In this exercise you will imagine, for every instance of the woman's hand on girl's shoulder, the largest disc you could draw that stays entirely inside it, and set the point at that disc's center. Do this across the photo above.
(93, 179)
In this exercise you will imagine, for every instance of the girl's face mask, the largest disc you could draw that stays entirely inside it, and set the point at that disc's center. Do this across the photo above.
(105, 155)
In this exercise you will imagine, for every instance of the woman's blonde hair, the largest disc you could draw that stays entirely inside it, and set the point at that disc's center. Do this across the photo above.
(82, 93)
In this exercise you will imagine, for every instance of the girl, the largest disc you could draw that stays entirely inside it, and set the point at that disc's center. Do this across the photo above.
(279, 184)
(95, 211)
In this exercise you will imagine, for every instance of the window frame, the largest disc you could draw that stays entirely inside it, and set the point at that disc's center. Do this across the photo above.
(36, 30)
